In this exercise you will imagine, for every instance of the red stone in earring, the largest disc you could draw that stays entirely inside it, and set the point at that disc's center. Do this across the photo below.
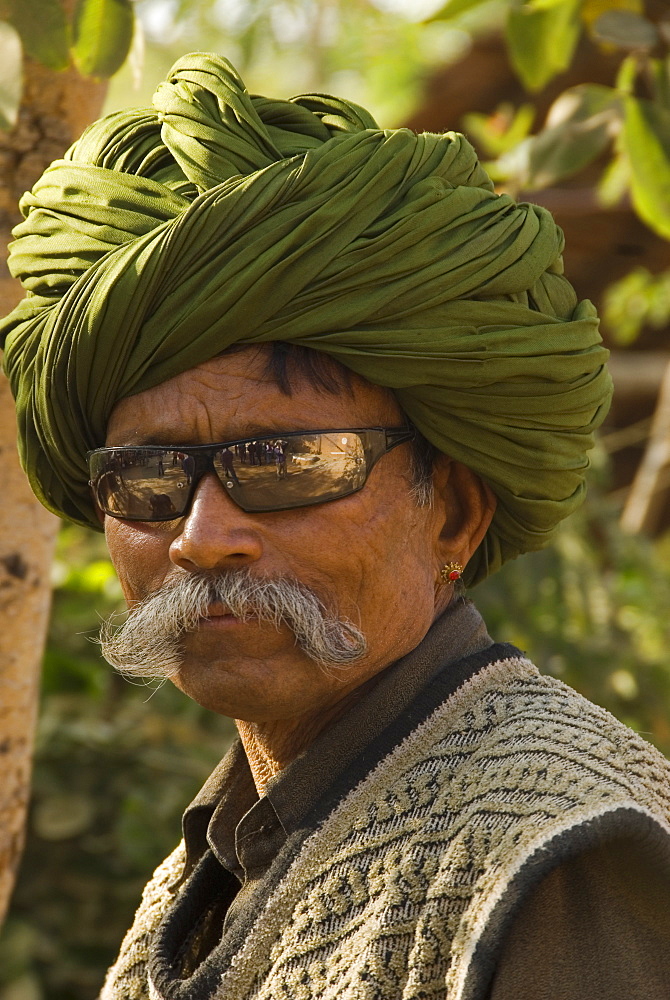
(451, 572)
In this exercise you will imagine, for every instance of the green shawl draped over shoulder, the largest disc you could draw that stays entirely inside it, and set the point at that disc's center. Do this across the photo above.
(216, 218)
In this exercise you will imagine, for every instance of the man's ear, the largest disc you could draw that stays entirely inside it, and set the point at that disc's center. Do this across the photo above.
(466, 505)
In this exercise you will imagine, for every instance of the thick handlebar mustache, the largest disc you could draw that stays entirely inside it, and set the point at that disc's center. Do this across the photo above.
(147, 644)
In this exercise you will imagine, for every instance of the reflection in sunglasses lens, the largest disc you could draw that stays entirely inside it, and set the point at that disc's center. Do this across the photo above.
(260, 474)
(293, 471)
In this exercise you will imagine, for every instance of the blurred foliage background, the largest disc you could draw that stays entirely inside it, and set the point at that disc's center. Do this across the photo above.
(116, 763)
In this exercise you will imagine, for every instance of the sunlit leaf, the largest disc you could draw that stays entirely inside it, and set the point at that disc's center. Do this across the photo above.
(615, 181)
(43, 29)
(541, 42)
(581, 124)
(564, 151)
(555, 154)
(637, 300)
(103, 33)
(543, 4)
(454, 8)
(627, 75)
(505, 128)
(625, 29)
(577, 104)
(646, 142)
(11, 79)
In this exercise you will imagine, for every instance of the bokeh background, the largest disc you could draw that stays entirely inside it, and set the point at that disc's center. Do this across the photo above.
(571, 107)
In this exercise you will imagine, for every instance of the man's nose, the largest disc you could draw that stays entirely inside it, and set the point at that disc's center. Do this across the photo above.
(215, 534)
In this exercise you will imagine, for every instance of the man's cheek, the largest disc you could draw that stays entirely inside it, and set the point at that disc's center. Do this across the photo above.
(139, 558)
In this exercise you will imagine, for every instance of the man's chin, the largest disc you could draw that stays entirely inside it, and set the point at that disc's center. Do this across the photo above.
(248, 687)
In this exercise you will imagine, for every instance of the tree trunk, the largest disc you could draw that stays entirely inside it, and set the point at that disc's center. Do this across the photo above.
(647, 501)
(55, 108)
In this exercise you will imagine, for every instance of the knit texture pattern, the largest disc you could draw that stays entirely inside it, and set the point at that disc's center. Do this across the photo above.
(392, 895)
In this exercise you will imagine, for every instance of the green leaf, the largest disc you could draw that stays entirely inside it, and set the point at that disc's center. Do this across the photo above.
(627, 75)
(578, 104)
(454, 8)
(11, 79)
(615, 181)
(43, 29)
(581, 124)
(543, 4)
(646, 142)
(554, 154)
(103, 33)
(565, 150)
(498, 132)
(659, 74)
(625, 29)
(637, 300)
(541, 42)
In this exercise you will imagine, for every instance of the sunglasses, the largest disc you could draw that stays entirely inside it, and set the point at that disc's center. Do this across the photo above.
(267, 473)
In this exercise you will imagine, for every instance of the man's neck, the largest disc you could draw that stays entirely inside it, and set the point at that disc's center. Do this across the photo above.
(270, 746)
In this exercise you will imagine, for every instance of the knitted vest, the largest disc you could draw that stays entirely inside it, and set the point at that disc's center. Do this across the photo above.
(406, 887)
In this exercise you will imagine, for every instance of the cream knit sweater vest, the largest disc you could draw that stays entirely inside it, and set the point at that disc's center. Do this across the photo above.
(404, 890)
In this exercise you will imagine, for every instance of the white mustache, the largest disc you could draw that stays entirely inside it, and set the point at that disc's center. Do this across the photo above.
(147, 644)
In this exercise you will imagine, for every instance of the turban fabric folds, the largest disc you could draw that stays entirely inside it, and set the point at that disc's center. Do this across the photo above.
(166, 235)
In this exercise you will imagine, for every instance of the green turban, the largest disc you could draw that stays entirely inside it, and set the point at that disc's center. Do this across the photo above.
(216, 218)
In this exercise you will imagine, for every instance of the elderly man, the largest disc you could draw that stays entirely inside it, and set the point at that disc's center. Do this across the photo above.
(411, 811)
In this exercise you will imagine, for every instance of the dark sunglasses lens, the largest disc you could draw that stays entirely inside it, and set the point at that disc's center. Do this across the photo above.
(294, 471)
(264, 474)
(142, 484)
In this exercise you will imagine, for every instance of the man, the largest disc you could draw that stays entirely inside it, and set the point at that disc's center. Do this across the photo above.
(228, 465)
(411, 811)
(280, 459)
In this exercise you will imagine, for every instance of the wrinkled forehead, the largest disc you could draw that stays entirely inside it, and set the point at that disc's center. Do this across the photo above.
(249, 391)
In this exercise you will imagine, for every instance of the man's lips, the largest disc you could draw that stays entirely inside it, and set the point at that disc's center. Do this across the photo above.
(218, 610)
(218, 616)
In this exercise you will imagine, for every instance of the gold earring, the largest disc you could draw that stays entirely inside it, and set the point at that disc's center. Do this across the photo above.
(451, 572)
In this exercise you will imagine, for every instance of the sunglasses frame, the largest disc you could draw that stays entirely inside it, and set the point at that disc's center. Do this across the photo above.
(204, 455)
